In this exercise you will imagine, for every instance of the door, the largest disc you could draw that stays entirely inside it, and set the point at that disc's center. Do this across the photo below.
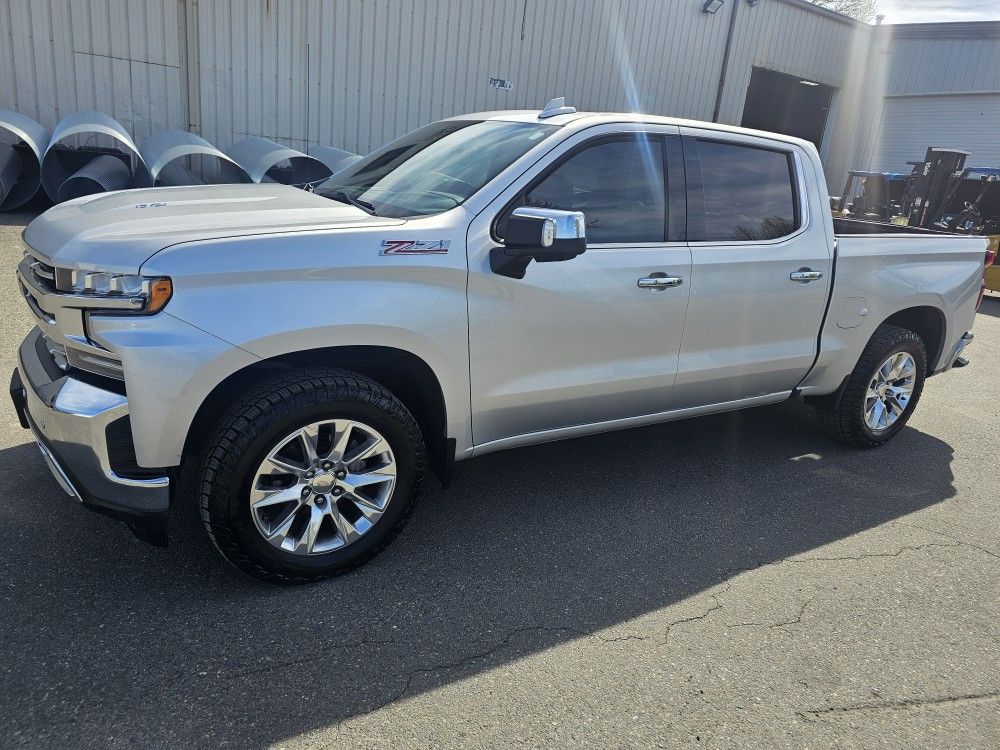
(760, 277)
(912, 123)
(588, 340)
(780, 103)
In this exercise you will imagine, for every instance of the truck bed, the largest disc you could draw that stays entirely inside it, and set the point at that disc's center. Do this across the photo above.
(847, 227)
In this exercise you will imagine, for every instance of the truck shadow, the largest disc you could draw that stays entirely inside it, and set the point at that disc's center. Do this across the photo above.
(991, 305)
(529, 549)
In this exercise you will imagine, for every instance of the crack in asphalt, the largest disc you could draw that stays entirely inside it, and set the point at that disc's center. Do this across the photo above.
(456, 664)
(868, 555)
(959, 541)
(782, 624)
(908, 704)
(694, 618)
(236, 673)
(727, 578)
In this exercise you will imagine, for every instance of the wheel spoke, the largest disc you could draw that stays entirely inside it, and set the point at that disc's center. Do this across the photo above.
(342, 437)
(899, 392)
(376, 476)
(309, 536)
(264, 498)
(274, 465)
(892, 410)
(870, 414)
(280, 532)
(878, 414)
(345, 529)
(366, 507)
(309, 439)
(372, 447)
(893, 365)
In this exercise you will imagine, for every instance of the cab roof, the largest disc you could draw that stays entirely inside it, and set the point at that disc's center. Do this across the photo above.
(588, 119)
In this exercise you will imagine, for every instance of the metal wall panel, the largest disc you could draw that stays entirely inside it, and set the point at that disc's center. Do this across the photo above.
(120, 57)
(356, 73)
(920, 73)
(931, 59)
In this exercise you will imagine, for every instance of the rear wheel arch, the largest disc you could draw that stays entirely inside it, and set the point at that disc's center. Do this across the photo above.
(926, 321)
(844, 413)
(405, 374)
(929, 323)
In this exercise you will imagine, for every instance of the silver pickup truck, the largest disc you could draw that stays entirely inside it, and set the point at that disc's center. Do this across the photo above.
(487, 281)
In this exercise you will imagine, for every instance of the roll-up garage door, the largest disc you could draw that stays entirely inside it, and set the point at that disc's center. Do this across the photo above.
(970, 122)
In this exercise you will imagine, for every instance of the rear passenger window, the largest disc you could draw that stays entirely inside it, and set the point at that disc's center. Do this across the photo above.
(619, 186)
(748, 192)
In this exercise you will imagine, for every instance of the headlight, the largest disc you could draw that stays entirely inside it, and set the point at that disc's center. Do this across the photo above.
(123, 291)
(107, 283)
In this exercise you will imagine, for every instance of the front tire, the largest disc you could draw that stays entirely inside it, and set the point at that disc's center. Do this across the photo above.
(309, 475)
(881, 393)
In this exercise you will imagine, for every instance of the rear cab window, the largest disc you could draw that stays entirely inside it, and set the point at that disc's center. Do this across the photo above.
(739, 192)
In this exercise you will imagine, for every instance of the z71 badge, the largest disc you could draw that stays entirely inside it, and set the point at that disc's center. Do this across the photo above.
(414, 247)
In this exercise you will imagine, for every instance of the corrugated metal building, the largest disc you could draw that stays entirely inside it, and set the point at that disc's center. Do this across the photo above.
(357, 73)
(941, 85)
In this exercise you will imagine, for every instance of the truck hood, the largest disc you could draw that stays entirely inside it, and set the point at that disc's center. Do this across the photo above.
(119, 231)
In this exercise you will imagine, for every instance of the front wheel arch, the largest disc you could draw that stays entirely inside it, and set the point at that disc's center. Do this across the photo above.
(408, 376)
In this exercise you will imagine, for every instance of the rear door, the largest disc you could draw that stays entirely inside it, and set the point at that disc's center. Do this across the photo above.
(761, 268)
(581, 342)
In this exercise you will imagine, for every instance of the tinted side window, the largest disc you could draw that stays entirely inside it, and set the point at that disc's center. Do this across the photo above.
(617, 184)
(748, 192)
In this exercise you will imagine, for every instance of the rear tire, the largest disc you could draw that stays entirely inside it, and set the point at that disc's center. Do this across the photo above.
(274, 494)
(871, 408)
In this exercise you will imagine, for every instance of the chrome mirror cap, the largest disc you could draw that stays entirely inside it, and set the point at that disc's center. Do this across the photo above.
(565, 225)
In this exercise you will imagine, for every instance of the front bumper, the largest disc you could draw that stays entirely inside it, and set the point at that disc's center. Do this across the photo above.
(69, 418)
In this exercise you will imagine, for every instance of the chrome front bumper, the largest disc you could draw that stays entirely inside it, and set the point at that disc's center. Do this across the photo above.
(69, 418)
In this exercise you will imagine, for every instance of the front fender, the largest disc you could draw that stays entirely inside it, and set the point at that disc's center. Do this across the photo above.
(281, 295)
(170, 368)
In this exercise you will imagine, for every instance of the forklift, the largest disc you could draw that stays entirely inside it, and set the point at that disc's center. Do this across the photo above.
(940, 193)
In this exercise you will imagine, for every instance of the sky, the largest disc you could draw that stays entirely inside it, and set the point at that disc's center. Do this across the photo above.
(936, 11)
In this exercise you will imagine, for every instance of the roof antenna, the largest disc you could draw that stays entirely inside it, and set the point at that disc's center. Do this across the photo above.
(555, 107)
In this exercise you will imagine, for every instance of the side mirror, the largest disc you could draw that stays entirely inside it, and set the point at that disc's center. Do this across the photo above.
(541, 234)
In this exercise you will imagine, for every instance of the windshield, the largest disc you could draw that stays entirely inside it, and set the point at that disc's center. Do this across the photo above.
(434, 168)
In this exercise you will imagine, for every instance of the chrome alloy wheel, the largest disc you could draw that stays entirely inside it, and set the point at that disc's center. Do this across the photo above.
(889, 391)
(323, 486)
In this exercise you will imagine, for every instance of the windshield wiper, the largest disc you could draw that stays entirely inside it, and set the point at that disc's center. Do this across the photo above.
(344, 197)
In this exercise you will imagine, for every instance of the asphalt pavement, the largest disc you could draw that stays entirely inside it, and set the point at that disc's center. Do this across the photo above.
(734, 581)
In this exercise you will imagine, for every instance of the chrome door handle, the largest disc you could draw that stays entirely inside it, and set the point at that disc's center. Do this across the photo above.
(659, 282)
(805, 275)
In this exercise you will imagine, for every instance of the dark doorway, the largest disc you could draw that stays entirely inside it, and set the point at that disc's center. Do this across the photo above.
(787, 104)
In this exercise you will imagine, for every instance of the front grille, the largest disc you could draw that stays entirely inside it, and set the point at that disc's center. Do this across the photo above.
(43, 287)
(43, 272)
(50, 277)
